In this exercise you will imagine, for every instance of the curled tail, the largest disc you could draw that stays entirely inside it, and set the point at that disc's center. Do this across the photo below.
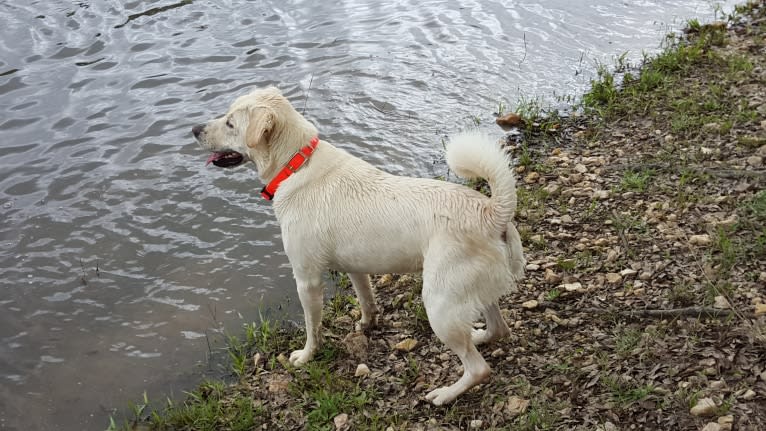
(476, 155)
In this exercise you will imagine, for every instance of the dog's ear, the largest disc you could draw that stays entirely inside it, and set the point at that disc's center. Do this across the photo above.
(260, 127)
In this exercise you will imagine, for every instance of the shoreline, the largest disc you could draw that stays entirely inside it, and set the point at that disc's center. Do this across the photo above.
(644, 225)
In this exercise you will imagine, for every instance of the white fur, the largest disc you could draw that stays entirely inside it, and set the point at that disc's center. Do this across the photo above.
(339, 212)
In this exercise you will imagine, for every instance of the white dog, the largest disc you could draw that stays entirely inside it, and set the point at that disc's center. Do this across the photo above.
(338, 212)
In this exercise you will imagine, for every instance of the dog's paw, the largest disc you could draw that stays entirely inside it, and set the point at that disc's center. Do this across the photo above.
(365, 327)
(441, 395)
(480, 336)
(299, 358)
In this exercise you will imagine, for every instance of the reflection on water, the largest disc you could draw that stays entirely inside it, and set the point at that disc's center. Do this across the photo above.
(121, 253)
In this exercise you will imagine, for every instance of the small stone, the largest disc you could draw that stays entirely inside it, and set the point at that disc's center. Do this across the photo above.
(726, 422)
(362, 370)
(385, 280)
(645, 275)
(717, 384)
(613, 277)
(497, 353)
(476, 424)
(580, 168)
(761, 151)
(627, 272)
(700, 240)
(755, 161)
(575, 179)
(529, 305)
(531, 177)
(341, 421)
(601, 194)
(532, 267)
(517, 406)
(406, 345)
(763, 376)
(607, 426)
(721, 303)
(566, 219)
(704, 407)
(712, 426)
(356, 344)
(748, 395)
(552, 189)
(760, 310)
(509, 120)
(572, 287)
(551, 277)
(612, 255)
(669, 139)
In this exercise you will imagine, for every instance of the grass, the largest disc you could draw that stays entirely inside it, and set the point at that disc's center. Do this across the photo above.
(636, 181)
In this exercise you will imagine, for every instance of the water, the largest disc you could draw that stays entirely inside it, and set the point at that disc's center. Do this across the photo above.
(120, 251)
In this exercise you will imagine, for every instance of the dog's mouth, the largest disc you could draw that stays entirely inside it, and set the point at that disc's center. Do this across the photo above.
(225, 159)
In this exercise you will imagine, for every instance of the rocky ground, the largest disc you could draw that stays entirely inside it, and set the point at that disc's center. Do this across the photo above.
(644, 305)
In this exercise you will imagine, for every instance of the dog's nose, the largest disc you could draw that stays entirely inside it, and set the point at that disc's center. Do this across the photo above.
(198, 129)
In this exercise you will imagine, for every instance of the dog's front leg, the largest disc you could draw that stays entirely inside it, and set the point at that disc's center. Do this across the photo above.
(366, 296)
(310, 292)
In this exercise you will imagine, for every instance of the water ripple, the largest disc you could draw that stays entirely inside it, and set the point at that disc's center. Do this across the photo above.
(120, 250)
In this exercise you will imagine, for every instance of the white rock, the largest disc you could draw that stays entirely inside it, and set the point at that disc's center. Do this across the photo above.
(726, 422)
(748, 395)
(341, 421)
(712, 426)
(476, 423)
(627, 272)
(572, 287)
(704, 407)
(700, 240)
(755, 161)
(721, 303)
(601, 194)
(516, 405)
(529, 304)
(613, 277)
(580, 168)
(533, 267)
(362, 370)
(760, 310)
(406, 345)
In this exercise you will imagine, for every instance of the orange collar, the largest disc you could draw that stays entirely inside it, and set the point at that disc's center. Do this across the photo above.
(290, 168)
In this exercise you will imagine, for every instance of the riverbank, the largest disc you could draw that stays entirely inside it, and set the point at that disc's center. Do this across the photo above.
(644, 225)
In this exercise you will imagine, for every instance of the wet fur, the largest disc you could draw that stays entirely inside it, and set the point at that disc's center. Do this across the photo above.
(339, 212)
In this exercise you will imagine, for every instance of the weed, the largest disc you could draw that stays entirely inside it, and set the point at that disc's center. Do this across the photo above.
(552, 294)
(636, 180)
(625, 393)
(626, 339)
(566, 264)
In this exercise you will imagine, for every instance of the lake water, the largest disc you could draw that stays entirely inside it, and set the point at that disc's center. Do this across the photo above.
(122, 256)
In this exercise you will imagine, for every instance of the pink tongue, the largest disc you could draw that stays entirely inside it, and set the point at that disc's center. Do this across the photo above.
(213, 157)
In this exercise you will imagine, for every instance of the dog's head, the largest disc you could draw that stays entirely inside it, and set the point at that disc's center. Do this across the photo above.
(258, 127)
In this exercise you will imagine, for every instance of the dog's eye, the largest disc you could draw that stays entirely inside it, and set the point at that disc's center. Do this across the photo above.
(228, 123)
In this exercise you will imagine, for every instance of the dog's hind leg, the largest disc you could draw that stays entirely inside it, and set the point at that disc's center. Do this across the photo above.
(366, 296)
(451, 322)
(496, 326)
(457, 336)
(310, 292)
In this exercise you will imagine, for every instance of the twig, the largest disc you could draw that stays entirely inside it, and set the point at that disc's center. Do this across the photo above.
(698, 312)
